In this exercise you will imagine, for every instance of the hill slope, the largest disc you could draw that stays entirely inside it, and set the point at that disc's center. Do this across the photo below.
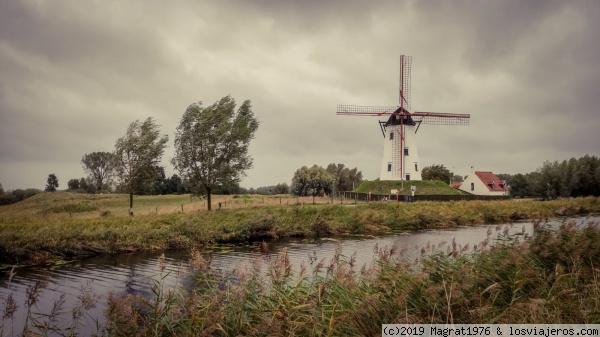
(424, 187)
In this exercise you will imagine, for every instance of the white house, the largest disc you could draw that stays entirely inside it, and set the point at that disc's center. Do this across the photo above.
(483, 183)
(400, 156)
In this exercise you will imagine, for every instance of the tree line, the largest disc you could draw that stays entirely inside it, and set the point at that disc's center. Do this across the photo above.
(316, 180)
(211, 155)
(569, 178)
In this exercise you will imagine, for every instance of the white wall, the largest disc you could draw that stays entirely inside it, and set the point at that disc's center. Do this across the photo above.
(409, 161)
(480, 188)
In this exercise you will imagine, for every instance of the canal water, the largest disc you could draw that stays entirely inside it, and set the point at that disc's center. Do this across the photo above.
(135, 273)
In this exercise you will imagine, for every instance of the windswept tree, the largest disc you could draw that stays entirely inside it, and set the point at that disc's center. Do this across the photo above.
(51, 183)
(211, 144)
(137, 153)
(100, 167)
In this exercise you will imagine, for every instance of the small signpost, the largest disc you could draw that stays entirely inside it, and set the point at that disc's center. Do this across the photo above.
(396, 192)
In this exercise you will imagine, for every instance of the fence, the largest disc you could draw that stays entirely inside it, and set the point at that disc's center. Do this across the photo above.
(408, 198)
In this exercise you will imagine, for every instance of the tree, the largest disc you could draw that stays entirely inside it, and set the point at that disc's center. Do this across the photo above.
(175, 185)
(311, 181)
(73, 184)
(51, 183)
(437, 172)
(211, 144)
(100, 167)
(1, 189)
(281, 188)
(137, 153)
(84, 185)
(519, 186)
(345, 179)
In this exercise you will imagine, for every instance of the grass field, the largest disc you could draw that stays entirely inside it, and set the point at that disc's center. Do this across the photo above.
(69, 205)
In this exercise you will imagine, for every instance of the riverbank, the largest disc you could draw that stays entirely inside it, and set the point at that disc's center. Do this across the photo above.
(551, 278)
(38, 240)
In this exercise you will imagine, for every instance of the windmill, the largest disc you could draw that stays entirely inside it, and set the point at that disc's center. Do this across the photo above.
(400, 157)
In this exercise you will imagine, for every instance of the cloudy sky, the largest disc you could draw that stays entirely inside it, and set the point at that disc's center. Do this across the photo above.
(74, 74)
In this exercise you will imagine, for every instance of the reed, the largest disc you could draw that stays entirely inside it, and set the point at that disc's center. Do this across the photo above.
(514, 281)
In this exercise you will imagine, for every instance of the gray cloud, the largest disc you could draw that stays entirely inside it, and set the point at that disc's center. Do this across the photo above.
(75, 74)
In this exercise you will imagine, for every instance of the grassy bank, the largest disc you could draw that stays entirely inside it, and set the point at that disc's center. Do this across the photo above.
(551, 278)
(37, 239)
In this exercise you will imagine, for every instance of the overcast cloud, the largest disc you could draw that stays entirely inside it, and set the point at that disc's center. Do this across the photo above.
(74, 74)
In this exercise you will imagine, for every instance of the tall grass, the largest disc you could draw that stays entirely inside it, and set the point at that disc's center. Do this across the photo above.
(52, 323)
(550, 278)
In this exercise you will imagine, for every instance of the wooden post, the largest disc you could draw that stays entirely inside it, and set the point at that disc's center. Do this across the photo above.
(181, 208)
(156, 210)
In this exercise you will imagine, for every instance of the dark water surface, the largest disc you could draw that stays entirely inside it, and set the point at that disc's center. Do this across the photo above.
(135, 273)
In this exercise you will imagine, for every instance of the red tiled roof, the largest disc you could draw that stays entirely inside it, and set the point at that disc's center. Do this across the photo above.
(490, 180)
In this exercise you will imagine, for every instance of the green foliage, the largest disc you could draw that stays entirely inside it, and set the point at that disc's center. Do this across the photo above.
(569, 178)
(312, 181)
(100, 167)
(436, 172)
(281, 188)
(73, 184)
(519, 186)
(345, 179)
(51, 183)
(211, 144)
(138, 153)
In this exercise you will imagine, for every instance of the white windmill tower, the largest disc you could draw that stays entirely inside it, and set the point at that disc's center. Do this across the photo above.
(400, 156)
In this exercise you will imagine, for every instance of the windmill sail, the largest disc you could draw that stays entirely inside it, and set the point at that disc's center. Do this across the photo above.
(400, 160)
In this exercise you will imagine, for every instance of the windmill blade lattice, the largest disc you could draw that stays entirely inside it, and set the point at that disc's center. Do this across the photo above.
(438, 118)
(365, 110)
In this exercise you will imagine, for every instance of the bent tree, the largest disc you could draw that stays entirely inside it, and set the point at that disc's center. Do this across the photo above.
(137, 153)
(211, 144)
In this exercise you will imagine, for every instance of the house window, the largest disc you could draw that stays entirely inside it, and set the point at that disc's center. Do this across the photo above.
(406, 151)
(389, 167)
(391, 135)
(408, 177)
(472, 186)
(416, 167)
